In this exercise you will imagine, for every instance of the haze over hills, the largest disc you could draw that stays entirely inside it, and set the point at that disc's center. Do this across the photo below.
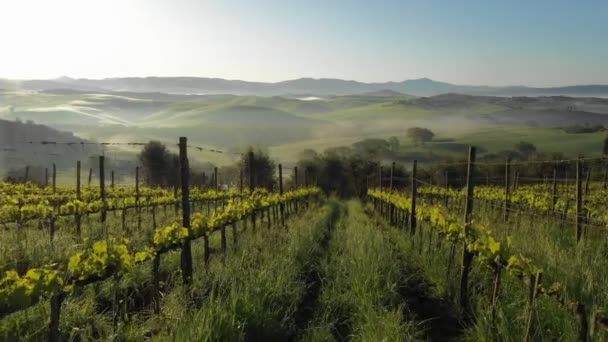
(310, 86)
(299, 114)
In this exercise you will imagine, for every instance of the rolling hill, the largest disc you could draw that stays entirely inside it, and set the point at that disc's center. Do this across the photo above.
(285, 123)
(310, 86)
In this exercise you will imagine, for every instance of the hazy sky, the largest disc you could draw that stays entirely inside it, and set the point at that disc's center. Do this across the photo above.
(531, 42)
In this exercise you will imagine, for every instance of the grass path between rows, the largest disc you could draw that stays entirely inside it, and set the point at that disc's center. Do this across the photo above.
(370, 290)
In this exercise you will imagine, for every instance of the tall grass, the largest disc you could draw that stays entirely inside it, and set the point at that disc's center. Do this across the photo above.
(361, 296)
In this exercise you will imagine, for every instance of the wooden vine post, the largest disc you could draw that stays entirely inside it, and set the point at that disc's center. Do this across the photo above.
(56, 300)
(186, 257)
(554, 190)
(54, 178)
(90, 176)
(102, 188)
(251, 184)
(447, 187)
(137, 198)
(46, 177)
(281, 205)
(215, 187)
(78, 214)
(605, 181)
(380, 188)
(507, 204)
(579, 200)
(52, 218)
(295, 176)
(467, 256)
(112, 179)
(413, 203)
(390, 189)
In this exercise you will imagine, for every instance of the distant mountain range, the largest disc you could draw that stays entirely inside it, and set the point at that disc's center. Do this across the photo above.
(302, 86)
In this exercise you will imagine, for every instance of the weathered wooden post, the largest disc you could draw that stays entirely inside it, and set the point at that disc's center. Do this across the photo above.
(507, 189)
(605, 185)
(281, 205)
(467, 256)
(579, 200)
(186, 257)
(413, 203)
(554, 190)
(56, 300)
(137, 198)
(54, 178)
(78, 213)
(380, 189)
(251, 184)
(102, 188)
(390, 186)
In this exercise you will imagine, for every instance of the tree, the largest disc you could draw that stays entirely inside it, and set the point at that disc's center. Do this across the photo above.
(419, 135)
(393, 142)
(308, 154)
(525, 148)
(160, 166)
(371, 148)
(263, 168)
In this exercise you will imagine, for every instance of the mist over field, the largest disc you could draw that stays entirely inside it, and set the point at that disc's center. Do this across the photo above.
(316, 114)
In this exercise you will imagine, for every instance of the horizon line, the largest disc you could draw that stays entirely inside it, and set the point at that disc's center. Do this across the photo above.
(304, 78)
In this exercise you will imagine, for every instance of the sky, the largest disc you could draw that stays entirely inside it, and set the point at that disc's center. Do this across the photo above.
(478, 42)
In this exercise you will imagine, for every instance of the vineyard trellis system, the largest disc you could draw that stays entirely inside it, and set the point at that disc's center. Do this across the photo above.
(478, 242)
(113, 257)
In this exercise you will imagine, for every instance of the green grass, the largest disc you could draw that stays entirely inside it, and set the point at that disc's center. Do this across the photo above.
(578, 268)
(263, 285)
(361, 296)
(495, 139)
